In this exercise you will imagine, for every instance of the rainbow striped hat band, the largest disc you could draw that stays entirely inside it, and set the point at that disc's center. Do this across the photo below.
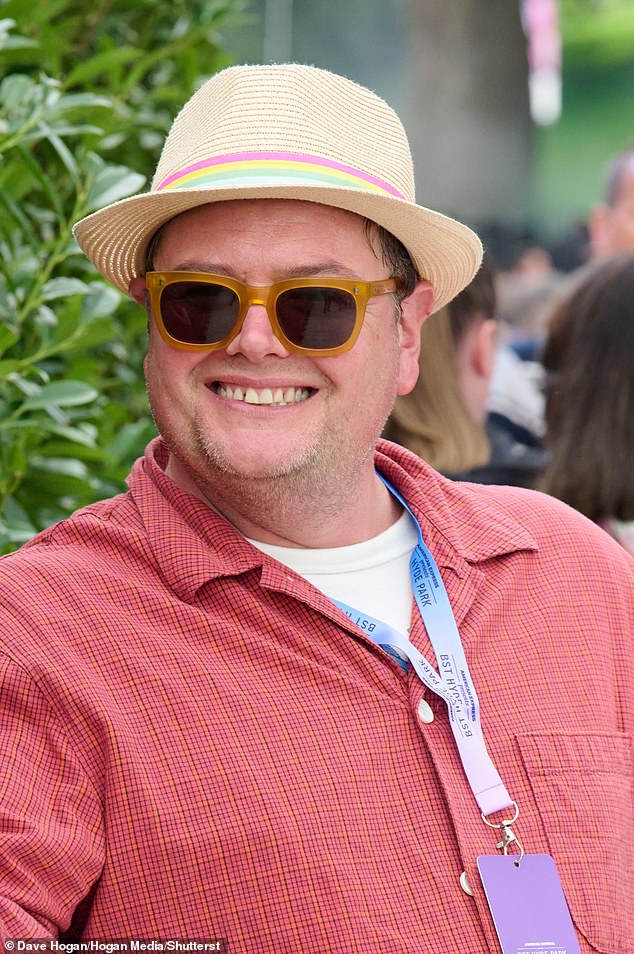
(285, 132)
(273, 168)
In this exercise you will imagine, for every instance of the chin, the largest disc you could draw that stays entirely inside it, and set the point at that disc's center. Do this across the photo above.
(215, 460)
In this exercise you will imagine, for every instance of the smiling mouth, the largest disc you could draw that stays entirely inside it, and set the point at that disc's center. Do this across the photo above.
(273, 397)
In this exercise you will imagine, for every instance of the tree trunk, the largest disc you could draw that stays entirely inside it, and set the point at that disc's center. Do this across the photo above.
(467, 113)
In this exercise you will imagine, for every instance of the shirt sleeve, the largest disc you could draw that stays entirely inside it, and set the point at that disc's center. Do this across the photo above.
(51, 820)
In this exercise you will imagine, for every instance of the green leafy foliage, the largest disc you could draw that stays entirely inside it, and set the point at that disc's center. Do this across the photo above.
(87, 93)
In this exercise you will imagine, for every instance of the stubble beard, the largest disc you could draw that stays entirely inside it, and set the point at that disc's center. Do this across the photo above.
(300, 482)
(314, 482)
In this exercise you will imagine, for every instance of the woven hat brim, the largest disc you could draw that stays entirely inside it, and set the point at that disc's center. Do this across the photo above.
(446, 252)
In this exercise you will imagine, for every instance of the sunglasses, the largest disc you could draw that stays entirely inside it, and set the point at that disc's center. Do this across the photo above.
(197, 311)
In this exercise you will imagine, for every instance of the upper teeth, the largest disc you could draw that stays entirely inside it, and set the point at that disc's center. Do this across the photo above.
(264, 395)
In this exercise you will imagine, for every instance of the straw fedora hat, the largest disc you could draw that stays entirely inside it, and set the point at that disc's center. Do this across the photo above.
(291, 132)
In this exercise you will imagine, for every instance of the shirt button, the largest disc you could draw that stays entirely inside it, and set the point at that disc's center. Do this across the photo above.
(424, 712)
(464, 884)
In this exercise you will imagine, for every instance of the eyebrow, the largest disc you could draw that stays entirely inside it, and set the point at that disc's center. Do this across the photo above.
(324, 269)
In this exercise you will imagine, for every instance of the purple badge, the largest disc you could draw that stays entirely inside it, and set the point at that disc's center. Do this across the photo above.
(528, 905)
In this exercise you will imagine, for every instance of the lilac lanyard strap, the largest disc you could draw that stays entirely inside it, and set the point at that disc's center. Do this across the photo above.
(453, 681)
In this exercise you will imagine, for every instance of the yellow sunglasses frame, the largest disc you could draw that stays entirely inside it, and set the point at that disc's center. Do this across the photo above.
(267, 295)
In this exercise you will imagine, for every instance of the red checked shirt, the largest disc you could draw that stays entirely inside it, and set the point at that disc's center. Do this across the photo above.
(197, 744)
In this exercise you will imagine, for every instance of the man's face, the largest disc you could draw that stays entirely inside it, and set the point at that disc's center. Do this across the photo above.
(336, 406)
(612, 226)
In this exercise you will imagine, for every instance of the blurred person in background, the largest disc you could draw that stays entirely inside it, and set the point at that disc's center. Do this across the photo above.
(516, 395)
(589, 357)
(525, 302)
(611, 224)
(444, 419)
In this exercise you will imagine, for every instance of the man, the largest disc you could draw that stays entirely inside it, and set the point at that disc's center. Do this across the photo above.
(611, 224)
(214, 724)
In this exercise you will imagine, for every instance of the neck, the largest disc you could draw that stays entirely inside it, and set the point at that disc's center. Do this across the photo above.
(282, 512)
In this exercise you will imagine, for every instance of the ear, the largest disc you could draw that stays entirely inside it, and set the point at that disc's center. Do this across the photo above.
(483, 348)
(415, 310)
(136, 290)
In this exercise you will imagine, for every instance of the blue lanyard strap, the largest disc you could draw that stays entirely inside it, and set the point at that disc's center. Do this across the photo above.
(452, 682)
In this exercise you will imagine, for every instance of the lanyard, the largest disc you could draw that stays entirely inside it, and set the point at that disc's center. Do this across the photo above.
(452, 682)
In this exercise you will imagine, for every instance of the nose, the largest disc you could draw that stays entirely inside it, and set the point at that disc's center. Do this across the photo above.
(256, 339)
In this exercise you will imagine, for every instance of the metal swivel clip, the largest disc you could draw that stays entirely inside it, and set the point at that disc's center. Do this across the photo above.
(508, 835)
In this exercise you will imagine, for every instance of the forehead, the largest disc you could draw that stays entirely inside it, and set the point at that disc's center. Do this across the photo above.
(282, 229)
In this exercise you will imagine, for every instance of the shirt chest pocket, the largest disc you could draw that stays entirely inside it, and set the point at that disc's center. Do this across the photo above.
(583, 790)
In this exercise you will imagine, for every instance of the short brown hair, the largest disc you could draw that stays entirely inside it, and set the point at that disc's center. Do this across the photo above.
(395, 256)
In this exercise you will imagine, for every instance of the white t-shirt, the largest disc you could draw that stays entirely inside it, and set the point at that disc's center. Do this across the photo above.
(372, 576)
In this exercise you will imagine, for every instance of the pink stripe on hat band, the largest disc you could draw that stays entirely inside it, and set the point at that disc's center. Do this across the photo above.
(248, 158)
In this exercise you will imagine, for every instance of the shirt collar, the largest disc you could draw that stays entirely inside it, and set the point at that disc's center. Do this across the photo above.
(461, 523)
(192, 543)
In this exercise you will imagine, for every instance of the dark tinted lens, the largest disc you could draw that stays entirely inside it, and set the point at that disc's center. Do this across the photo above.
(198, 313)
(316, 317)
